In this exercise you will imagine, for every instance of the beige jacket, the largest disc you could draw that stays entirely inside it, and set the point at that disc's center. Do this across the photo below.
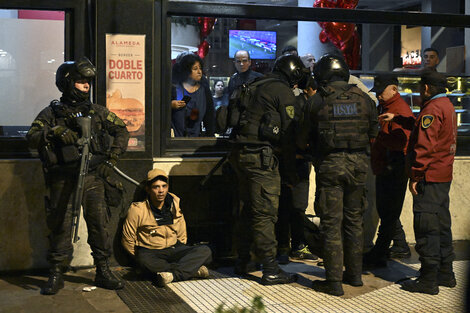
(140, 228)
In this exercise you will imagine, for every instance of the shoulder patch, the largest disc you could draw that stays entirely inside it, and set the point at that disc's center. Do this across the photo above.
(38, 123)
(113, 118)
(290, 111)
(426, 121)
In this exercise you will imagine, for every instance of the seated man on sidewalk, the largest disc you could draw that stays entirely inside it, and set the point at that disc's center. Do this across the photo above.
(154, 232)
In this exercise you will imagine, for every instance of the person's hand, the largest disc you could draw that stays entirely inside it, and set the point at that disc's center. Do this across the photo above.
(105, 169)
(177, 104)
(64, 134)
(386, 117)
(309, 92)
(412, 186)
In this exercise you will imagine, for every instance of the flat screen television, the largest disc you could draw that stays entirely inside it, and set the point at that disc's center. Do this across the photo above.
(260, 44)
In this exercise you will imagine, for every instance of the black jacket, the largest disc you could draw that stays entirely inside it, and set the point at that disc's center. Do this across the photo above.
(239, 79)
(104, 122)
(277, 98)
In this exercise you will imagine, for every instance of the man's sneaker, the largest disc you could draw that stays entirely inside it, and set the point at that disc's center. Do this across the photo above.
(446, 280)
(280, 278)
(163, 279)
(399, 252)
(303, 253)
(334, 288)
(202, 272)
(421, 287)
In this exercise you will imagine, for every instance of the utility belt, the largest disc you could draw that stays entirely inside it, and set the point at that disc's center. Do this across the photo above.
(268, 159)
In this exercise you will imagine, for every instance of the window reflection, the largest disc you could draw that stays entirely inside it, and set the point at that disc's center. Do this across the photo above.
(31, 49)
(238, 46)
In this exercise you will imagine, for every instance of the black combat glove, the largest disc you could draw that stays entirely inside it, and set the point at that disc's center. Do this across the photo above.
(64, 134)
(105, 169)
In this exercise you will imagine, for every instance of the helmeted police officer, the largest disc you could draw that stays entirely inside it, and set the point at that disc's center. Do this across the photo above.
(341, 122)
(265, 133)
(54, 133)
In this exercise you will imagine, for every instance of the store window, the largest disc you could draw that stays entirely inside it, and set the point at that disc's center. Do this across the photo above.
(369, 49)
(31, 49)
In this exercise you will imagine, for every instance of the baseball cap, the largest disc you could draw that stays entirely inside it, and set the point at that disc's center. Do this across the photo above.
(155, 173)
(434, 78)
(382, 81)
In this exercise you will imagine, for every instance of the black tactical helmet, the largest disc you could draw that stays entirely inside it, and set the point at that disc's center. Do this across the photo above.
(291, 67)
(330, 66)
(70, 72)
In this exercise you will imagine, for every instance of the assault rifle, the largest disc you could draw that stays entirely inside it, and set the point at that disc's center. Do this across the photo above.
(84, 143)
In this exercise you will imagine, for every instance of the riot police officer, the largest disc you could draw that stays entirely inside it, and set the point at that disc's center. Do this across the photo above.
(265, 134)
(54, 133)
(341, 122)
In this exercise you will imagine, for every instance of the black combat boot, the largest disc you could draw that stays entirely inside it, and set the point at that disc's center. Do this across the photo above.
(426, 282)
(334, 288)
(274, 275)
(105, 278)
(446, 276)
(352, 279)
(55, 281)
(399, 250)
(244, 267)
(421, 286)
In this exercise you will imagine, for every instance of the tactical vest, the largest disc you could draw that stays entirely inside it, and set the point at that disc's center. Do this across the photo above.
(100, 142)
(343, 122)
(255, 123)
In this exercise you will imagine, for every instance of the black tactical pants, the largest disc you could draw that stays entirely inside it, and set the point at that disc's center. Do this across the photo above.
(432, 226)
(390, 194)
(61, 187)
(340, 203)
(292, 205)
(181, 260)
(258, 174)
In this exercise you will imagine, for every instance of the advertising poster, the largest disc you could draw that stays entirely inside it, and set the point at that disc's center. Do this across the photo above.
(125, 84)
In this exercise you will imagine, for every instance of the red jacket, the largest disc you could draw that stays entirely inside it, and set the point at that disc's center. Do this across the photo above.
(433, 141)
(394, 135)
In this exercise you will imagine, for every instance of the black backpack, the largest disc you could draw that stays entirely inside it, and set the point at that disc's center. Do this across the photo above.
(228, 117)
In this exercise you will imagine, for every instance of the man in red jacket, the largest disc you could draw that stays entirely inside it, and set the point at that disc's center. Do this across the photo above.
(388, 164)
(431, 154)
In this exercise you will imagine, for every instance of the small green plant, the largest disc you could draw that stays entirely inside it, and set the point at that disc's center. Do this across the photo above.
(257, 306)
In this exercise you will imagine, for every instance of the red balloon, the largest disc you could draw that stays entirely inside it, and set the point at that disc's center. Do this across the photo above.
(203, 49)
(347, 4)
(325, 4)
(206, 24)
(339, 32)
(351, 51)
(323, 37)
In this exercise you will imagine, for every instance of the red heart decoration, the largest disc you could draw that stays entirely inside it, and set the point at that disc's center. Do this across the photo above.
(348, 4)
(339, 32)
(203, 49)
(206, 25)
(325, 4)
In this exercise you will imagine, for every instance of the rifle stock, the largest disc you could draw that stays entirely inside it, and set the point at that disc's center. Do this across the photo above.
(84, 142)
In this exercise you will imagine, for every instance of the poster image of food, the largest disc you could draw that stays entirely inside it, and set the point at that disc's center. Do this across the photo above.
(125, 84)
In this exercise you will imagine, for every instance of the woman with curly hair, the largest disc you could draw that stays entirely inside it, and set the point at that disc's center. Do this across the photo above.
(192, 107)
